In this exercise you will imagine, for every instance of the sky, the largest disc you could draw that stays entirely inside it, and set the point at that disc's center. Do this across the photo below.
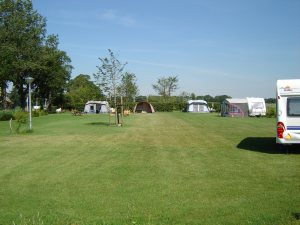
(233, 47)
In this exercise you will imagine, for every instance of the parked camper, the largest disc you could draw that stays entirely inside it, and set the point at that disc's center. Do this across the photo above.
(197, 106)
(96, 107)
(256, 107)
(234, 107)
(288, 111)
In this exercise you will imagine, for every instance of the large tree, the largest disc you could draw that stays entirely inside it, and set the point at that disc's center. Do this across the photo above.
(128, 87)
(81, 89)
(165, 86)
(109, 76)
(54, 72)
(25, 51)
(22, 33)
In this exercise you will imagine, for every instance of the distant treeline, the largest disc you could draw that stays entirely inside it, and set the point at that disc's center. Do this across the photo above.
(181, 98)
(208, 98)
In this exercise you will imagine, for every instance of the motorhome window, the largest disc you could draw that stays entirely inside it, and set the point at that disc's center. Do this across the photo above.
(293, 106)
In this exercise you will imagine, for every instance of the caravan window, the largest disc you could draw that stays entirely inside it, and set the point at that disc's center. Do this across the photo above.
(258, 105)
(293, 106)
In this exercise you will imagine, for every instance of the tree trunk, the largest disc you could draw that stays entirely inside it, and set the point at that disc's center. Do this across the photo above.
(3, 95)
(50, 102)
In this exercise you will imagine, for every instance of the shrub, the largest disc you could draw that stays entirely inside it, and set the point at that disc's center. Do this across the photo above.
(271, 112)
(163, 106)
(6, 115)
(43, 112)
(21, 118)
(129, 106)
(35, 113)
(79, 106)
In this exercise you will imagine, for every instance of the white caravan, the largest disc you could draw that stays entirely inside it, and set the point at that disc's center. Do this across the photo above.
(288, 111)
(256, 107)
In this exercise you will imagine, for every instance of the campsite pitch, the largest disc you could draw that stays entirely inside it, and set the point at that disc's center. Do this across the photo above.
(161, 168)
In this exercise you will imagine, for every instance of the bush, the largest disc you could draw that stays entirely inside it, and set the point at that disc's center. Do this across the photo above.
(271, 112)
(35, 113)
(43, 112)
(21, 118)
(79, 106)
(129, 106)
(163, 106)
(6, 115)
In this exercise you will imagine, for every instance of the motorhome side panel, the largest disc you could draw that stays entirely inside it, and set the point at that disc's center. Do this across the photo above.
(288, 111)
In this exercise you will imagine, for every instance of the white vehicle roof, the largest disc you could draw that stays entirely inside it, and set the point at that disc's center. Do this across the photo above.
(237, 100)
(97, 102)
(196, 101)
(288, 87)
(254, 99)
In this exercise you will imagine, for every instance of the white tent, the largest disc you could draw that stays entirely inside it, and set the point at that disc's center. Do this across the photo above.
(96, 107)
(197, 106)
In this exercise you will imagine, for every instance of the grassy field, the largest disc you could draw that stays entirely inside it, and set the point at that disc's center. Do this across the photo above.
(162, 168)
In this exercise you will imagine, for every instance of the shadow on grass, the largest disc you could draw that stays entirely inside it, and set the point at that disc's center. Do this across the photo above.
(267, 145)
(98, 124)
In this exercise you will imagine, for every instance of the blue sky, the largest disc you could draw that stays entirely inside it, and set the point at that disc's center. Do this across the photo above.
(234, 47)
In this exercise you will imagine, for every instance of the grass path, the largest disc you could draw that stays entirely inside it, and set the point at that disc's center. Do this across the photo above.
(162, 168)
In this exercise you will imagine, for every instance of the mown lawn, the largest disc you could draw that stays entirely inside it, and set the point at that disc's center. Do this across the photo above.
(161, 168)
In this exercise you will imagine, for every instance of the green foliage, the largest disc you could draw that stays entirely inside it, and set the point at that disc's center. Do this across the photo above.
(129, 106)
(79, 106)
(271, 112)
(128, 87)
(81, 90)
(166, 86)
(51, 79)
(215, 105)
(21, 118)
(37, 113)
(162, 107)
(109, 76)
(6, 115)
(270, 100)
(25, 50)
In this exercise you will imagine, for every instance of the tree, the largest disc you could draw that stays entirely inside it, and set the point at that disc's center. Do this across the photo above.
(25, 51)
(165, 86)
(22, 31)
(109, 76)
(81, 89)
(128, 87)
(53, 73)
(221, 98)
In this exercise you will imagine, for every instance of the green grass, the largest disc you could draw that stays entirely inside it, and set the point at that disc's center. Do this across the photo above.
(162, 168)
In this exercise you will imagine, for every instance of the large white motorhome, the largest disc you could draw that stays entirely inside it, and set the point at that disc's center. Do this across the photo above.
(288, 111)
